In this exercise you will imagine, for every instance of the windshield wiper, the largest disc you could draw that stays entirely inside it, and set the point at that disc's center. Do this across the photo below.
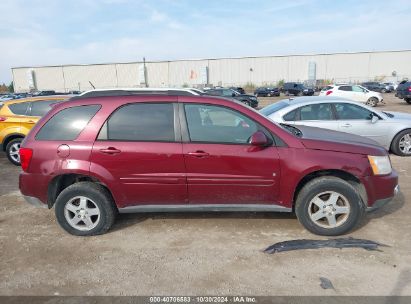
(388, 114)
(297, 132)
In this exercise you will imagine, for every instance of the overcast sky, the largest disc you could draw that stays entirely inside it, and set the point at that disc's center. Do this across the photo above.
(46, 32)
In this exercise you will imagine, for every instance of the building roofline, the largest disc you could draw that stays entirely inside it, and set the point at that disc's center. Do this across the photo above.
(211, 59)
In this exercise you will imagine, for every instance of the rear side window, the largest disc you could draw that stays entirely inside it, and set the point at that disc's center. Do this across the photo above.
(345, 88)
(40, 108)
(316, 112)
(141, 122)
(291, 116)
(68, 123)
(19, 108)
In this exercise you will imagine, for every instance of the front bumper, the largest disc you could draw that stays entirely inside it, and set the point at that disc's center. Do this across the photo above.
(382, 202)
(34, 201)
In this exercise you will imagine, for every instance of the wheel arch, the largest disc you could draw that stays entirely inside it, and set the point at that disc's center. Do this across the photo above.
(397, 132)
(349, 177)
(61, 182)
(11, 137)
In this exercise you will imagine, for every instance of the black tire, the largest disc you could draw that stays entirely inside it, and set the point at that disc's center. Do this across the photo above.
(395, 145)
(408, 100)
(10, 151)
(372, 102)
(98, 195)
(321, 185)
(286, 93)
(383, 91)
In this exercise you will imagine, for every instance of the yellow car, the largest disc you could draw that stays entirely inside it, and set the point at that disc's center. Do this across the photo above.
(17, 117)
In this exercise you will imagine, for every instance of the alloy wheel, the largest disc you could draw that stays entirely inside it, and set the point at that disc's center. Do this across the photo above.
(82, 213)
(329, 209)
(14, 152)
(405, 144)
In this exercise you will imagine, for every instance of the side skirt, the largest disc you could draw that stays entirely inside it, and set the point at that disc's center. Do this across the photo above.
(205, 208)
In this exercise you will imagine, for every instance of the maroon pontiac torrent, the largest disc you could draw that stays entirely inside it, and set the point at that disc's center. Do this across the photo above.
(95, 156)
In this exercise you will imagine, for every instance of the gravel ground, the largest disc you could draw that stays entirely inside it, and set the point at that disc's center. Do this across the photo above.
(199, 254)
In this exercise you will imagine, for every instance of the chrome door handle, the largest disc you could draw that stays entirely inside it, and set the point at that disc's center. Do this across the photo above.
(347, 125)
(198, 154)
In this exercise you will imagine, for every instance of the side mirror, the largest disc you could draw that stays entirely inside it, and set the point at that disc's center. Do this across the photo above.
(374, 119)
(259, 139)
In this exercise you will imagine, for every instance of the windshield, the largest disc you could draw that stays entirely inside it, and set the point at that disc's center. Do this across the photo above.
(268, 110)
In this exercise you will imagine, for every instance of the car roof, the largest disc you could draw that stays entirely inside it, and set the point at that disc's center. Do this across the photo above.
(37, 98)
(313, 99)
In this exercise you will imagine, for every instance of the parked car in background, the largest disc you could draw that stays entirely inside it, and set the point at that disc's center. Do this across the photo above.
(6, 97)
(404, 91)
(390, 86)
(17, 117)
(44, 93)
(353, 92)
(296, 89)
(375, 86)
(392, 130)
(249, 100)
(266, 92)
(196, 153)
(238, 89)
(399, 87)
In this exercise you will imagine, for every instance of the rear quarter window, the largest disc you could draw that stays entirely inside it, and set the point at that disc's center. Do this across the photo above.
(19, 108)
(68, 123)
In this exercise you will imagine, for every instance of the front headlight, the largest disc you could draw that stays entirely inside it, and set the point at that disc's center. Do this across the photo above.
(381, 165)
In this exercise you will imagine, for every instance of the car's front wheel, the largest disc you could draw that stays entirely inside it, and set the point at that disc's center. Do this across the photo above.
(13, 151)
(401, 144)
(329, 206)
(372, 102)
(408, 100)
(85, 209)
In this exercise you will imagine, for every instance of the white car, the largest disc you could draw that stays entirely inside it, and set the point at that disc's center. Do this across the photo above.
(353, 92)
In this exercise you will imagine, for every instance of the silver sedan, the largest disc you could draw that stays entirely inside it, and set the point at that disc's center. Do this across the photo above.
(392, 130)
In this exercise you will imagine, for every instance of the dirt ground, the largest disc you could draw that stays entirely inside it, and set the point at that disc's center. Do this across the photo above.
(199, 254)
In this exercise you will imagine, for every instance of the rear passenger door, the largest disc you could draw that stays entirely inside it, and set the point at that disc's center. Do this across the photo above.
(139, 149)
(319, 115)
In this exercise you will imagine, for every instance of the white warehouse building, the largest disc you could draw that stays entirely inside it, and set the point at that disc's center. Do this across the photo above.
(256, 71)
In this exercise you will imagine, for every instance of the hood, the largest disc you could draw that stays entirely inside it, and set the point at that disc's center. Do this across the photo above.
(400, 115)
(323, 139)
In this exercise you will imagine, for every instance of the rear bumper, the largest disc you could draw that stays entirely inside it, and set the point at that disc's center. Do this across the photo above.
(382, 202)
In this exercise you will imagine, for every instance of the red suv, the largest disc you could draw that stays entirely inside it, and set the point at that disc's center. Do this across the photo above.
(94, 157)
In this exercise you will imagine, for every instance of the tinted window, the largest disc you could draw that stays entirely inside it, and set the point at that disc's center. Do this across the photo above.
(68, 123)
(213, 93)
(290, 116)
(40, 108)
(19, 108)
(316, 112)
(215, 124)
(268, 110)
(346, 111)
(228, 93)
(345, 88)
(142, 122)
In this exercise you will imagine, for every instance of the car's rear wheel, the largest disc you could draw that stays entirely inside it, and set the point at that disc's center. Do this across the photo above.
(372, 102)
(408, 100)
(329, 206)
(85, 209)
(383, 91)
(12, 151)
(401, 144)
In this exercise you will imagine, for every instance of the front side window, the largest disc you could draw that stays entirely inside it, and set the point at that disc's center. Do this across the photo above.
(40, 108)
(316, 112)
(214, 124)
(19, 108)
(68, 123)
(358, 89)
(141, 122)
(346, 111)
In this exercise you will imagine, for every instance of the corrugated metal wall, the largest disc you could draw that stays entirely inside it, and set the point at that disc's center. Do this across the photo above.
(347, 67)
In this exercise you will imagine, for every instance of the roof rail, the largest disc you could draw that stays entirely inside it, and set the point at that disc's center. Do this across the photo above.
(134, 91)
